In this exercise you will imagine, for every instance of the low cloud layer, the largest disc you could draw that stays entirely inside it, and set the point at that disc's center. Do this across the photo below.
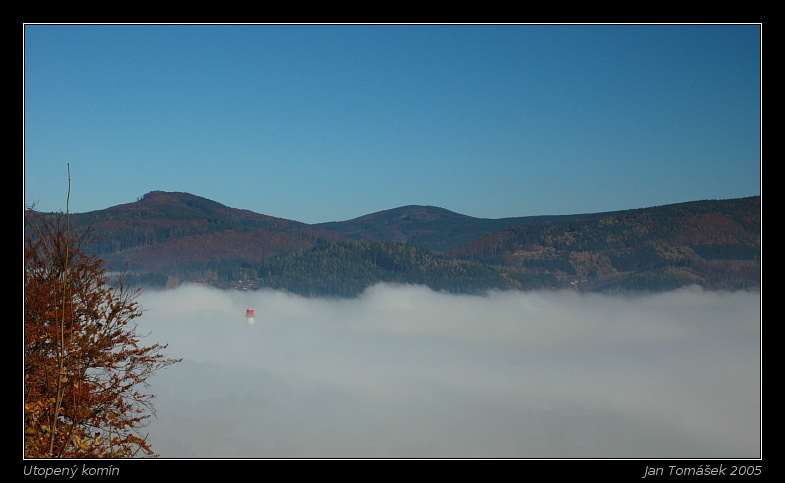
(405, 372)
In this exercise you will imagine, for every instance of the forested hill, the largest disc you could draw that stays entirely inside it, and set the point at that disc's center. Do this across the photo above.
(430, 227)
(170, 233)
(170, 238)
(714, 243)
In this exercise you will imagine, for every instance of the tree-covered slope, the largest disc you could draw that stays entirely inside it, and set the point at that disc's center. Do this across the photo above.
(166, 231)
(346, 269)
(715, 243)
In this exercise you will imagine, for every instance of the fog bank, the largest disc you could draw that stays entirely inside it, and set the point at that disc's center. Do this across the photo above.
(405, 372)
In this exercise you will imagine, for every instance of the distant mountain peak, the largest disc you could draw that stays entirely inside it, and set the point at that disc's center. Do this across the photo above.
(175, 196)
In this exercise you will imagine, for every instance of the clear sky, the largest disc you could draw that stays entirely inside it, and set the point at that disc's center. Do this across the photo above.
(329, 122)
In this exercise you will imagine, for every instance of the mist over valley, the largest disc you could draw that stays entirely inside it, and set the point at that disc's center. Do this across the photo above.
(403, 371)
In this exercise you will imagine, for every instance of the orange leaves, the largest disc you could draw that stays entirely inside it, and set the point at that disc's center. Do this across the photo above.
(82, 359)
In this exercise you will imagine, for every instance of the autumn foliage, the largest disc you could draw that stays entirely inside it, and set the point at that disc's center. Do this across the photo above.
(85, 370)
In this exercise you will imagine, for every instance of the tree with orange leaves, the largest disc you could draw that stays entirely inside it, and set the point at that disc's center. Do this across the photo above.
(84, 367)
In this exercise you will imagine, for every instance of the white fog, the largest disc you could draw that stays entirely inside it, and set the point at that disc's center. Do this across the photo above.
(405, 372)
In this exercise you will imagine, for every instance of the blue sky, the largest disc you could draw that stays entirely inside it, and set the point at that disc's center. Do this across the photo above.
(329, 122)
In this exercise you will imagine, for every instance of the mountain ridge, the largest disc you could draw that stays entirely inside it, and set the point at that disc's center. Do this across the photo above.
(165, 236)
